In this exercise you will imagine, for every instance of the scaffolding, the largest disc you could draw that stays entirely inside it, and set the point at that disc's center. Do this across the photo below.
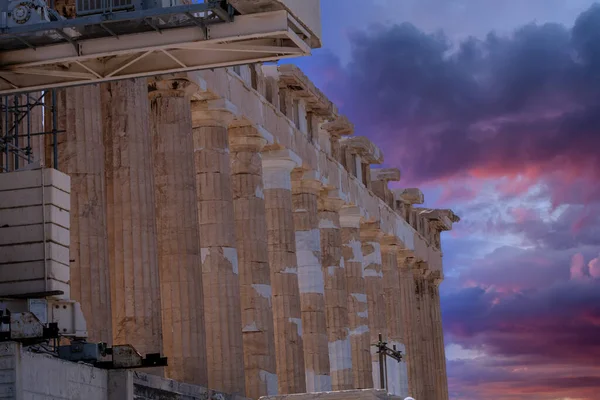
(47, 45)
(57, 43)
(28, 130)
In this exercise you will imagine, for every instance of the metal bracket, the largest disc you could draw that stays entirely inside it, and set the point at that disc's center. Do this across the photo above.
(384, 351)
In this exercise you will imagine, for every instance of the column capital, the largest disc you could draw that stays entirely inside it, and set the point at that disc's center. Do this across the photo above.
(406, 259)
(370, 232)
(390, 244)
(219, 112)
(306, 182)
(277, 168)
(248, 137)
(285, 159)
(420, 269)
(350, 217)
(437, 277)
(253, 144)
(331, 200)
(171, 86)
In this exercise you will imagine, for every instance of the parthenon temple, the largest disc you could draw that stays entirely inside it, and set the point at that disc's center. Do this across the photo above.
(232, 220)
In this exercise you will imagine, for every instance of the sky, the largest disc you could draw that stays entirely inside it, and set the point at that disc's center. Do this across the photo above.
(492, 108)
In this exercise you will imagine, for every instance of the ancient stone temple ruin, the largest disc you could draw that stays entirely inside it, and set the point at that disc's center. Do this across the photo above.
(231, 220)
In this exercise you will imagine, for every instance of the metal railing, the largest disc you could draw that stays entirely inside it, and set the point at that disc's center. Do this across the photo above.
(89, 7)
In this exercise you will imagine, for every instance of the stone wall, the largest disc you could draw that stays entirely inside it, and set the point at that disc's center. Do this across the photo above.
(26, 375)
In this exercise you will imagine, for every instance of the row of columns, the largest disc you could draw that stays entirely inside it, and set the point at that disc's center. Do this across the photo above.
(242, 268)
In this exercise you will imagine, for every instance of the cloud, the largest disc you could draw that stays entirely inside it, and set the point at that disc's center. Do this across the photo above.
(486, 378)
(521, 335)
(505, 129)
(502, 106)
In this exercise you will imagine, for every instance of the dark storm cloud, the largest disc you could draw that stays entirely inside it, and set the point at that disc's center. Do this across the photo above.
(534, 325)
(497, 104)
(526, 104)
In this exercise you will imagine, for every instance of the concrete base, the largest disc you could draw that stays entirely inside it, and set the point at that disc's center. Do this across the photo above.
(25, 375)
(34, 232)
(363, 394)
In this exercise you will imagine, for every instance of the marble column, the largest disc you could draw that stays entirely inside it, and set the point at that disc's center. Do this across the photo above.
(408, 304)
(424, 307)
(305, 188)
(81, 156)
(431, 344)
(178, 243)
(220, 273)
(336, 294)
(246, 143)
(442, 378)
(373, 272)
(131, 217)
(277, 168)
(397, 372)
(419, 327)
(358, 312)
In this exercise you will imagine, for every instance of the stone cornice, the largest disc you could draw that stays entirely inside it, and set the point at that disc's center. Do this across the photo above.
(409, 196)
(385, 174)
(440, 220)
(339, 125)
(292, 78)
(366, 149)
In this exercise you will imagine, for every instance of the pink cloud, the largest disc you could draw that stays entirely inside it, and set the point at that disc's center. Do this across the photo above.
(594, 268)
(578, 267)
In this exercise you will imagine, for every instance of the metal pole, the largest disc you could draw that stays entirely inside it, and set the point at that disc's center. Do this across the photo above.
(6, 116)
(54, 129)
(381, 361)
(16, 138)
(28, 129)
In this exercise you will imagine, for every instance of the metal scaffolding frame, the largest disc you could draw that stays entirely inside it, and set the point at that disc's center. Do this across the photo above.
(111, 44)
(24, 119)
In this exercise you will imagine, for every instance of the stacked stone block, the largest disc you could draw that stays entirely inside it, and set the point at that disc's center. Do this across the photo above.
(306, 187)
(177, 233)
(34, 232)
(281, 236)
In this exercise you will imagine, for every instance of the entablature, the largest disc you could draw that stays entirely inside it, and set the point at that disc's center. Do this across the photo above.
(267, 117)
(292, 78)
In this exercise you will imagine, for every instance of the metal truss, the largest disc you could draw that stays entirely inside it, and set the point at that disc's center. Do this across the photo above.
(119, 45)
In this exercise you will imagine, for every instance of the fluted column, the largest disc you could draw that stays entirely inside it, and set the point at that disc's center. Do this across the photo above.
(220, 272)
(306, 187)
(253, 261)
(419, 327)
(442, 378)
(131, 215)
(397, 372)
(81, 156)
(358, 312)
(277, 168)
(373, 272)
(177, 231)
(425, 323)
(408, 304)
(336, 294)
